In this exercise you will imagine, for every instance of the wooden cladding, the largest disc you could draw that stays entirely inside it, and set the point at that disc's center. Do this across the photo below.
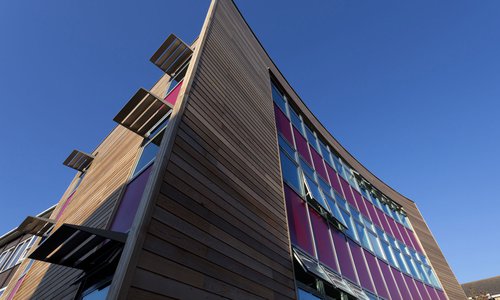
(142, 112)
(78, 160)
(171, 54)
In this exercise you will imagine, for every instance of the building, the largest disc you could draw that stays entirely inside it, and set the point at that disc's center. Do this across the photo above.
(483, 289)
(219, 182)
(15, 245)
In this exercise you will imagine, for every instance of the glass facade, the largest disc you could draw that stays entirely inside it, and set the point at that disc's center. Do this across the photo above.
(370, 243)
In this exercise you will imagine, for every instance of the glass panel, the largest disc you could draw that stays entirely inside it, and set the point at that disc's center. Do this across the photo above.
(98, 294)
(343, 255)
(278, 98)
(405, 293)
(325, 187)
(302, 146)
(359, 262)
(360, 203)
(294, 116)
(341, 201)
(283, 125)
(410, 283)
(130, 202)
(336, 211)
(324, 245)
(363, 237)
(158, 128)
(148, 153)
(172, 97)
(298, 222)
(311, 138)
(373, 214)
(377, 248)
(422, 290)
(350, 231)
(315, 193)
(303, 295)
(378, 280)
(325, 153)
(389, 281)
(14, 258)
(333, 179)
(290, 172)
(306, 168)
(318, 164)
(285, 146)
(347, 192)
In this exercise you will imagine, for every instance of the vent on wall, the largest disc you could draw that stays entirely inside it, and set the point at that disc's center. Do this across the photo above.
(171, 54)
(142, 112)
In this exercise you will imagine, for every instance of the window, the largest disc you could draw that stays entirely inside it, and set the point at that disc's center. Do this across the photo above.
(97, 293)
(4, 256)
(278, 98)
(336, 211)
(312, 190)
(2, 290)
(311, 138)
(363, 236)
(286, 146)
(306, 168)
(290, 172)
(303, 295)
(325, 153)
(377, 248)
(178, 77)
(350, 231)
(294, 117)
(16, 256)
(150, 147)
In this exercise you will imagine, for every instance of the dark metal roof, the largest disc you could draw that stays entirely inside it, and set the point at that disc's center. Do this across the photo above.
(484, 286)
(80, 247)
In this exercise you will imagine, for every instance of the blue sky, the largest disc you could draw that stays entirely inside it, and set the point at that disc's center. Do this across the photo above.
(410, 88)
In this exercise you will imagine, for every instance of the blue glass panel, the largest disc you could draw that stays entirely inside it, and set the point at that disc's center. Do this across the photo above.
(286, 146)
(335, 211)
(98, 294)
(147, 156)
(350, 225)
(278, 99)
(294, 117)
(363, 237)
(306, 168)
(303, 295)
(315, 193)
(290, 172)
(312, 139)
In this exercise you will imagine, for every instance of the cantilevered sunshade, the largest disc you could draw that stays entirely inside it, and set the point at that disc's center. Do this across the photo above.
(171, 54)
(142, 112)
(35, 225)
(78, 160)
(80, 247)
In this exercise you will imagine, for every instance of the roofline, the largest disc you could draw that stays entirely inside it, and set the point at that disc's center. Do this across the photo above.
(10, 234)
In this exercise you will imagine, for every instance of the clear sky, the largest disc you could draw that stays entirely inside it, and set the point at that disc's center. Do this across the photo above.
(410, 88)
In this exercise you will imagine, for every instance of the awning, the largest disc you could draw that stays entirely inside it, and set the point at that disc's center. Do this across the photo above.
(78, 160)
(310, 265)
(35, 225)
(171, 54)
(80, 247)
(358, 292)
(142, 112)
(339, 283)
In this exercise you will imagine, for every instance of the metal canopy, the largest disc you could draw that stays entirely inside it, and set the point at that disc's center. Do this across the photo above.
(80, 247)
(78, 160)
(171, 54)
(35, 225)
(142, 112)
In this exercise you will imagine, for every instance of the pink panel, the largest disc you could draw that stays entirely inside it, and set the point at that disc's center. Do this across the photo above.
(298, 223)
(391, 284)
(334, 180)
(347, 192)
(302, 146)
(383, 220)
(283, 124)
(403, 289)
(410, 283)
(172, 96)
(404, 234)
(16, 287)
(65, 205)
(130, 202)
(360, 203)
(376, 275)
(343, 255)
(432, 292)
(415, 242)
(324, 246)
(373, 213)
(318, 164)
(359, 262)
(441, 294)
(422, 290)
(394, 229)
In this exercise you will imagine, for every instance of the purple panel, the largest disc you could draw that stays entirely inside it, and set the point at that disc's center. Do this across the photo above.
(376, 275)
(324, 245)
(415, 242)
(172, 96)
(441, 295)
(298, 223)
(403, 289)
(359, 262)
(373, 213)
(432, 292)
(334, 179)
(410, 283)
(422, 290)
(404, 234)
(347, 192)
(283, 124)
(130, 202)
(65, 205)
(318, 164)
(383, 220)
(361, 204)
(389, 280)
(394, 229)
(302, 146)
(343, 255)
